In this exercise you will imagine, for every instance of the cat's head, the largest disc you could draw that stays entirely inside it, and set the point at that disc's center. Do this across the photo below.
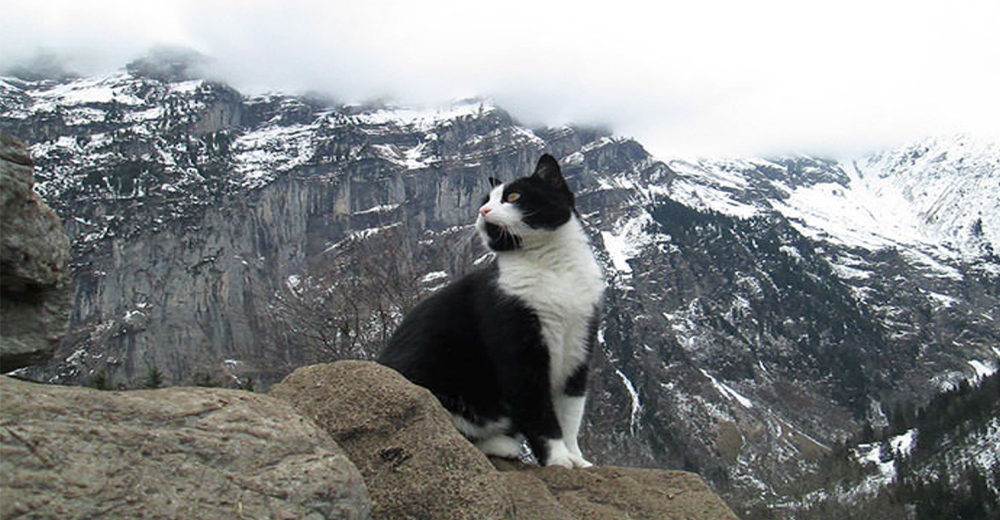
(525, 211)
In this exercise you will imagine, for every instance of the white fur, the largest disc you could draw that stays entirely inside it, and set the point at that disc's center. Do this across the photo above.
(569, 410)
(481, 431)
(555, 273)
(561, 281)
(559, 455)
(503, 446)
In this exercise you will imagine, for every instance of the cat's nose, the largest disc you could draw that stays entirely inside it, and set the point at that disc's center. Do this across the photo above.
(484, 210)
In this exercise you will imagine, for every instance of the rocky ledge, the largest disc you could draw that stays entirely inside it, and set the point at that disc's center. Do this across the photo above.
(34, 275)
(348, 440)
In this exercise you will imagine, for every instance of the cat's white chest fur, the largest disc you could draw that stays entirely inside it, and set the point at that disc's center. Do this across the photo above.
(562, 282)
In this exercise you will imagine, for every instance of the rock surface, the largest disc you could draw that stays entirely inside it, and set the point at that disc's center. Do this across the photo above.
(609, 493)
(34, 252)
(173, 453)
(416, 465)
(414, 461)
(726, 295)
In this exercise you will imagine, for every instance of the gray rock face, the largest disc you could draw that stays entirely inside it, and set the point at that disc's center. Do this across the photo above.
(34, 277)
(172, 453)
(417, 465)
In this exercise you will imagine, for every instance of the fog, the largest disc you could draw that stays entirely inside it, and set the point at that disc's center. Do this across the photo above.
(707, 78)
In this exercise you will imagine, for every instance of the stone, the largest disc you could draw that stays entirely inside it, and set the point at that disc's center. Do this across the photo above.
(34, 275)
(610, 493)
(414, 461)
(417, 465)
(193, 453)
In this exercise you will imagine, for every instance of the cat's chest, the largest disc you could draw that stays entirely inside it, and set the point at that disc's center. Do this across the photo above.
(565, 293)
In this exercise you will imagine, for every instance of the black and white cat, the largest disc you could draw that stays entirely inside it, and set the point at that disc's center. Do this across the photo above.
(505, 349)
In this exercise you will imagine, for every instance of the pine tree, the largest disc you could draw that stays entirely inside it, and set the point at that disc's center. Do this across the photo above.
(245, 384)
(100, 380)
(206, 380)
(154, 378)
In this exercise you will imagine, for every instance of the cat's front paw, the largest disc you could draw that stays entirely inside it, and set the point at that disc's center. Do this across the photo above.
(560, 455)
(569, 461)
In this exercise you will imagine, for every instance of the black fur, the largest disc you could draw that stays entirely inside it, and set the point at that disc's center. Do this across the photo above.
(480, 350)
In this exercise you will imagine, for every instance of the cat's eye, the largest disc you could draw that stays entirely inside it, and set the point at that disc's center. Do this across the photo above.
(512, 197)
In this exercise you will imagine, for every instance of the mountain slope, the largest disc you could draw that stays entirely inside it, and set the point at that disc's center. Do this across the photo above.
(750, 323)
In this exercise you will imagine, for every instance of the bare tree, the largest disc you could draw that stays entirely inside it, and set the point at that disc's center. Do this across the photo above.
(349, 301)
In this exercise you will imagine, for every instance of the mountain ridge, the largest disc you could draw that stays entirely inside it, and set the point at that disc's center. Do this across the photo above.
(746, 331)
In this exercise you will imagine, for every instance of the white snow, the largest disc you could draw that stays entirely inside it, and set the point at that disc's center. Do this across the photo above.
(628, 239)
(728, 392)
(942, 300)
(713, 185)
(95, 90)
(636, 404)
(432, 277)
(264, 153)
(361, 234)
(619, 250)
(425, 119)
(903, 443)
(949, 183)
(383, 208)
(982, 368)
(791, 251)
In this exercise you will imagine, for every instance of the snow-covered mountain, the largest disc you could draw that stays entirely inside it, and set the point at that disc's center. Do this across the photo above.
(759, 313)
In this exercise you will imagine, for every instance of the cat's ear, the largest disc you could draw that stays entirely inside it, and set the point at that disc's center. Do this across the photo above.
(494, 182)
(549, 172)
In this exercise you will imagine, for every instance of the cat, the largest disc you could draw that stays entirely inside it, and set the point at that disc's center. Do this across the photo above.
(506, 348)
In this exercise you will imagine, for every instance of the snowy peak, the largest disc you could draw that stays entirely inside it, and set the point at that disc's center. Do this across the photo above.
(939, 196)
(951, 186)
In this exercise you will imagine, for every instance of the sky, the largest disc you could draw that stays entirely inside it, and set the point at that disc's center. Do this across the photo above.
(723, 78)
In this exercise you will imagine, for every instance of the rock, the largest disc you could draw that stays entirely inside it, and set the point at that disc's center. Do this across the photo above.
(414, 461)
(417, 465)
(34, 277)
(610, 493)
(190, 453)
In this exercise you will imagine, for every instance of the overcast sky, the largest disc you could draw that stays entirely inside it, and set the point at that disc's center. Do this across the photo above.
(696, 77)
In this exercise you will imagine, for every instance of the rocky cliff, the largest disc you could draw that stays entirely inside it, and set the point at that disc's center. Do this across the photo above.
(34, 274)
(760, 311)
(211, 453)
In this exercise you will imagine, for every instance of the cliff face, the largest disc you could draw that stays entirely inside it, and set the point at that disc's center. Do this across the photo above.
(34, 275)
(750, 322)
(368, 444)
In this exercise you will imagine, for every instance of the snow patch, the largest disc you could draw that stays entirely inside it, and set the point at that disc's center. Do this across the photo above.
(982, 369)
(384, 208)
(629, 238)
(433, 277)
(634, 395)
(728, 392)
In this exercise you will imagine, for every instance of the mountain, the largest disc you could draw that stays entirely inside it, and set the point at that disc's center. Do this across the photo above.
(760, 313)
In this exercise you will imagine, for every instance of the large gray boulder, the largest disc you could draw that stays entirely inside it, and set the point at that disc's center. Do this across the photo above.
(34, 278)
(417, 465)
(192, 453)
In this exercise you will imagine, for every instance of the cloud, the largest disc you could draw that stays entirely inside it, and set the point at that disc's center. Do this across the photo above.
(693, 78)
